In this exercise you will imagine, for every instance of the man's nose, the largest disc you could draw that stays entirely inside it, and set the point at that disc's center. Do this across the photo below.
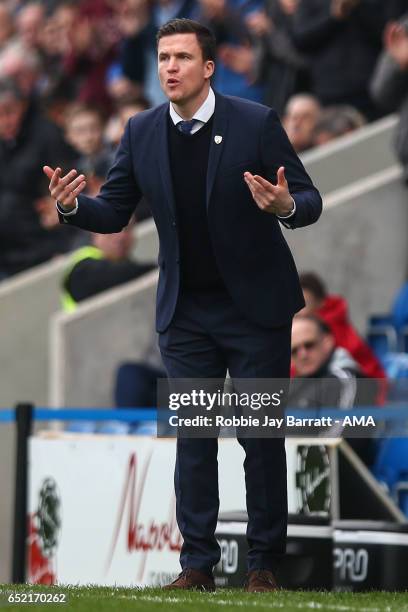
(172, 66)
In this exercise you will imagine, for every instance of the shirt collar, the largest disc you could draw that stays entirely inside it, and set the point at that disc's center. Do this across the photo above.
(203, 114)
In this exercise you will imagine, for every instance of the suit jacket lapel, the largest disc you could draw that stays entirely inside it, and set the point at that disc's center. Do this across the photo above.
(218, 141)
(163, 159)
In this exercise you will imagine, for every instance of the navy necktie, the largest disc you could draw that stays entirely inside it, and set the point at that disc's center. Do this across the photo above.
(186, 126)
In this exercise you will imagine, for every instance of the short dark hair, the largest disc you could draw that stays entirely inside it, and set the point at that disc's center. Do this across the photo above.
(205, 37)
(321, 325)
(313, 283)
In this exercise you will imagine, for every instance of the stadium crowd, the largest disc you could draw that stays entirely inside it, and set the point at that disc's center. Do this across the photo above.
(72, 72)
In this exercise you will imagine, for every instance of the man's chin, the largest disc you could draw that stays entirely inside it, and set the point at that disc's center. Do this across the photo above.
(175, 97)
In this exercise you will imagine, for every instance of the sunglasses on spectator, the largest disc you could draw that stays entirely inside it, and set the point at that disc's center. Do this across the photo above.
(307, 346)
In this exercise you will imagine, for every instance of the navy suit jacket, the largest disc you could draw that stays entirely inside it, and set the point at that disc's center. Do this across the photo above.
(252, 255)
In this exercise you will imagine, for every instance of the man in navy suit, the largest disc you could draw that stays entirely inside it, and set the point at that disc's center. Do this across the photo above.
(220, 174)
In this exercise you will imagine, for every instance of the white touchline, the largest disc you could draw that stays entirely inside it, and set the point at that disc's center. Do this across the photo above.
(209, 601)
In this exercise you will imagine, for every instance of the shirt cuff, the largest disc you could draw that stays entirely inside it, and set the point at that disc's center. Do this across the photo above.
(292, 212)
(69, 213)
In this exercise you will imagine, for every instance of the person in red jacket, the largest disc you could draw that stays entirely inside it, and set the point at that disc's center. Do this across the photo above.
(333, 310)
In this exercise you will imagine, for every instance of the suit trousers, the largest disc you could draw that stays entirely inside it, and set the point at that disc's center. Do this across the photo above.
(207, 336)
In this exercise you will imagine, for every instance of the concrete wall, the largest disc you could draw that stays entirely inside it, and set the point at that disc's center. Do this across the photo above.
(359, 245)
(352, 157)
(87, 345)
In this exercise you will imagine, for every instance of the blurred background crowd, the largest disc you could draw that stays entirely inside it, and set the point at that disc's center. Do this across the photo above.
(73, 71)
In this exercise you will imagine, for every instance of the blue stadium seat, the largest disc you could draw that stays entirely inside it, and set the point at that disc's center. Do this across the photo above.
(400, 308)
(382, 339)
(391, 468)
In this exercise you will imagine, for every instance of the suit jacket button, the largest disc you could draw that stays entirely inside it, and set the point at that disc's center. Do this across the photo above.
(174, 224)
(178, 260)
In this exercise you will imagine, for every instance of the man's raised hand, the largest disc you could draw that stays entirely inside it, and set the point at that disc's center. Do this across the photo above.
(66, 188)
(271, 198)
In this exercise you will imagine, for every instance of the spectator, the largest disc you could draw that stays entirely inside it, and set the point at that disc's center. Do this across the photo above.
(301, 116)
(6, 26)
(315, 355)
(235, 74)
(84, 131)
(327, 376)
(113, 133)
(27, 141)
(103, 265)
(93, 47)
(278, 63)
(29, 23)
(126, 109)
(336, 121)
(342, 40)
(389, 85)
(22, 67)
(332, 309)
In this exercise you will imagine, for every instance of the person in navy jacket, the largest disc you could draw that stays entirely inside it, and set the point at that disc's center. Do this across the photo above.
(220, 176)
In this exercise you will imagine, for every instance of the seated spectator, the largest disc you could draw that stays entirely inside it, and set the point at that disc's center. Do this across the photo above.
(336, 121)
(27, 142)
(342, 40)
(332, 309)
(84, 131)
(315, 355)
(115, 127)
(329, 376)
(389, 85)
(302, 113)
(103, 265)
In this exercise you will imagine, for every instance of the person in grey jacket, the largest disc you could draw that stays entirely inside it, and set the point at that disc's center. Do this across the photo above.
(389, 84)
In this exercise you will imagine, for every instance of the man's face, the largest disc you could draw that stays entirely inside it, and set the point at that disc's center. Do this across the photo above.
(299, 122)
(11, 116)
(84, 132)
(310, 347)
(183, 73)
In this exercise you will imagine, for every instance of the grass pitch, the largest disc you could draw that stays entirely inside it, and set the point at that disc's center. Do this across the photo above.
(99, 599)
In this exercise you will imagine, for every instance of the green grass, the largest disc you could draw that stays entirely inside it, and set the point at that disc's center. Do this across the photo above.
(99, 599)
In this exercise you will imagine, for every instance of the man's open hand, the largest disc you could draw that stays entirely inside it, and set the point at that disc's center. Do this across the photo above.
(271, 198)
(65, 189)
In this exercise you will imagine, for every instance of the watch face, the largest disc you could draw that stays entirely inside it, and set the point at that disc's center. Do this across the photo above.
(313, 480)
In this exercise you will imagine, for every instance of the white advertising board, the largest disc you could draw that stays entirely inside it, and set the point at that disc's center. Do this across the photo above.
(102, 508)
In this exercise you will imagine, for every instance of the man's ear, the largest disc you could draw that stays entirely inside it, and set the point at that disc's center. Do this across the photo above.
(329, 342)
(209, 69)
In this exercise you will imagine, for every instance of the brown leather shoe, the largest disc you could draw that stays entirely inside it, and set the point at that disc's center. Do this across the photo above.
(261, 581)
(193, 580)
